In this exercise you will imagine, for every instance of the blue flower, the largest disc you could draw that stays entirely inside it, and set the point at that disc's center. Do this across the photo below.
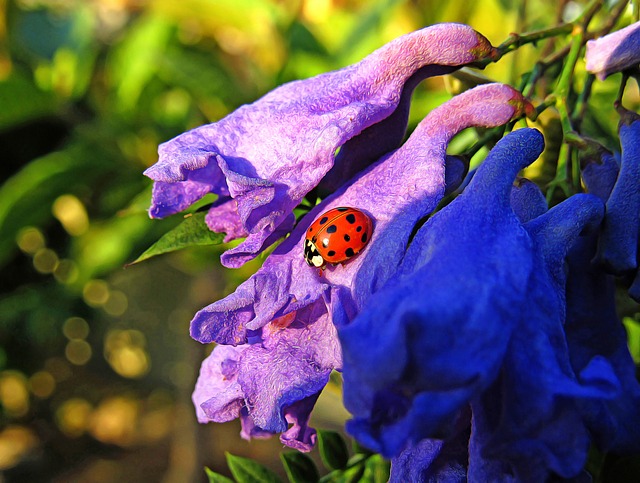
(594, 329)
(474, 315)
(618, 243)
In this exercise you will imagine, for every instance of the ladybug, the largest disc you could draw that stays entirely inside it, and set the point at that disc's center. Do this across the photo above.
(336, 236)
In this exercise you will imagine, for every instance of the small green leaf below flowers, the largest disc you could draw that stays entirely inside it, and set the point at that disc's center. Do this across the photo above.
(299, 467)
(245, 470)
(193, 231)
(216, 477)
(376, 470)
(333, 450)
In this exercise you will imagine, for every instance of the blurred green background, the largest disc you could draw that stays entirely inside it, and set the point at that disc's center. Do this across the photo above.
(96, 363)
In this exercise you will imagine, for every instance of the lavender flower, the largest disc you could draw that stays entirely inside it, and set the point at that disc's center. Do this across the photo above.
(281, 318)
(615, 52)
(263, 158)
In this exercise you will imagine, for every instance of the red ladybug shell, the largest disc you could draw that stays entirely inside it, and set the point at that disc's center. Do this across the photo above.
(336, 236)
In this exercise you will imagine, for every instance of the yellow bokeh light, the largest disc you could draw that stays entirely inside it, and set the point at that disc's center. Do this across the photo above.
(30, 240)
(78, 352)
(95, 293)
(114, 421)
(15, 443)
(66, 272)
(14, 395)
(71, 213)
(45, 260)
(75, 328)
(42, 384)
(117, 304)
(317, 11)
(72, 417)
(125, 352)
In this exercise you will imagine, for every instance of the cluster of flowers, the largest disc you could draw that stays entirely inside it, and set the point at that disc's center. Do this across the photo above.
(486, 344)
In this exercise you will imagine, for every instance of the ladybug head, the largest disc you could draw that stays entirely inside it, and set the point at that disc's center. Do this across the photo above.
(312, 256)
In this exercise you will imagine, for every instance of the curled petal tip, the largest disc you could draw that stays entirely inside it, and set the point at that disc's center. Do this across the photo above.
(483, 49)
(522, 106)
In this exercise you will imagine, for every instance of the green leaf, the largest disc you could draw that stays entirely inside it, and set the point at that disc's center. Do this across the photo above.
(245, 470)
(359, 449)
(216, 477)
(333, 449)
(135, 61)
(193, 231)
(376, 470)
(299, 467)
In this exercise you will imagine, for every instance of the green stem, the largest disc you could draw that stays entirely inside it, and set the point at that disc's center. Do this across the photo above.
(581, 104)
(560, 180)
(623, 85)
(561, 94)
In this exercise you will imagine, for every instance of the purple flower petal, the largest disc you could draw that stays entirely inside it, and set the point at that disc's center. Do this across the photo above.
(614, 52)
(274, 382)
(269, 154)
(292, 363)
(217, 395)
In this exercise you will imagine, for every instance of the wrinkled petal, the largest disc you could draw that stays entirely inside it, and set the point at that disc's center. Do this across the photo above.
(300, 436)
(274, 382)
(618, 246)
(435, 461)
(291, 364)
(285, 282)
(217, 395)
(438, 331)
(269, 154)
(614, 52)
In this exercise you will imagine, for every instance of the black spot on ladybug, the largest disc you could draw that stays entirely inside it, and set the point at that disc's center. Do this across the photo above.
(351, 218)
(325, 242)
(359, 229)
(314, 239)
(332, 229)
(323, 220)
(331, 253)
(349, 252)
(364, 238)
(347, 238)
(342, 208)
